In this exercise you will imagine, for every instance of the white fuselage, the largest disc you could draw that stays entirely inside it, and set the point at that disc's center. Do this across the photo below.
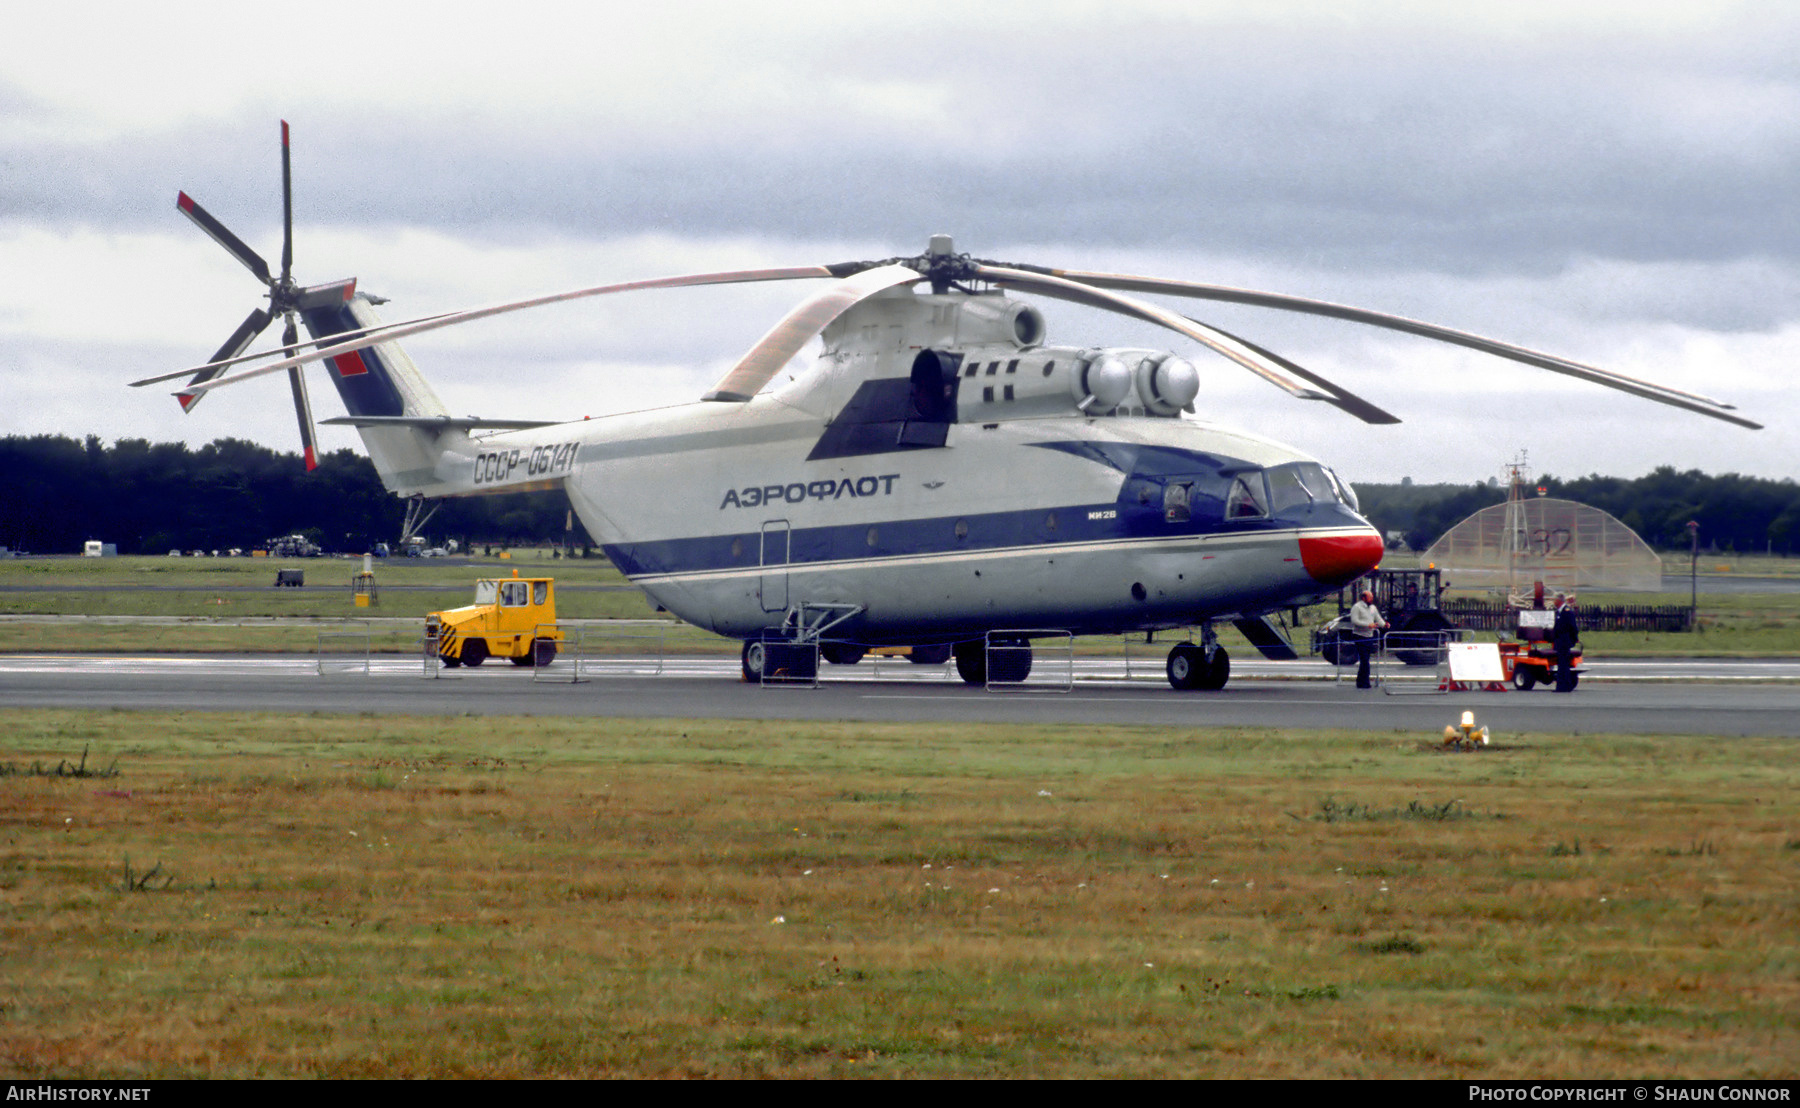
(993, 515)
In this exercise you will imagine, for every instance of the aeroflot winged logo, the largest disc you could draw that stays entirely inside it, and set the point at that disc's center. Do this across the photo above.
(799, 491)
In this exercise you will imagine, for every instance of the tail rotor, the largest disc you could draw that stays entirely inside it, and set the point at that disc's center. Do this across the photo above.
(286, 299)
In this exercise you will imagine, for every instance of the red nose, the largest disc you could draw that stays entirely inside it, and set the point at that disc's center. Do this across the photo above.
(1340, 559)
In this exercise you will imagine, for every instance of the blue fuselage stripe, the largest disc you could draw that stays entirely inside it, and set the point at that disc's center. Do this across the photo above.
(938, 535)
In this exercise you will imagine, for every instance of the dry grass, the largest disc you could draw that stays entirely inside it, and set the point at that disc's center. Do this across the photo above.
(359, 896)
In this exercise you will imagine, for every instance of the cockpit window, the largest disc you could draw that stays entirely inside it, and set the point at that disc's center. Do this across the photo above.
(1344, 491)
(1248, 498)
(1300, 484)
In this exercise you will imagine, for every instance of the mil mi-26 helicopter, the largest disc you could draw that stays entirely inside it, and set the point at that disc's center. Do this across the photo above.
(944, 477)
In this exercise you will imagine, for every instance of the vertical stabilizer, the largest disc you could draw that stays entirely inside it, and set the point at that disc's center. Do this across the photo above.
(381, 381)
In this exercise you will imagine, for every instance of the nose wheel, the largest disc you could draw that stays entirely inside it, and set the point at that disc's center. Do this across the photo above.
(1190, 669)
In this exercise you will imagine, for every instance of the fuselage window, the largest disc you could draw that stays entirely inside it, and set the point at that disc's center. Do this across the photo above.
(1049, 368)
(1248, 500)
(1012, 366)
(1176, 502)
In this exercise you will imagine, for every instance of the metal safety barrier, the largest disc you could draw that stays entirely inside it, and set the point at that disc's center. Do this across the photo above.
(357, 649)
(793, 665)
(1398, 657)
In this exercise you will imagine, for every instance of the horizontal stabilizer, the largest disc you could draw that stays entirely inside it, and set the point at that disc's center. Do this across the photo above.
(1265, 635)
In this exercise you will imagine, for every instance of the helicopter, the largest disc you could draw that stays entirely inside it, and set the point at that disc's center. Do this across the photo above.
(944, 477)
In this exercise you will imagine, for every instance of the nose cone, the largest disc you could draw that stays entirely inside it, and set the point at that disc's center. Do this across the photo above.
(1340, 559)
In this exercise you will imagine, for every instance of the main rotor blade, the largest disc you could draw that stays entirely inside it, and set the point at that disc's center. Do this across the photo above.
(253, 325)
(450, 319)
(287, 211)
(787, 338)
(1340, 396)
(1080, 293)
(214, 368)
(1662, 394)
(204, 220)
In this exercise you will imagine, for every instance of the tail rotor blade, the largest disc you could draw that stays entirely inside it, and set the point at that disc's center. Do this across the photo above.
(309, 447)
(287, 210)
(221, 235)
(253, 325)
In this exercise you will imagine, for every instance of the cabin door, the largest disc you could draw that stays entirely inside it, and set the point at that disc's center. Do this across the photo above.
(774, 587)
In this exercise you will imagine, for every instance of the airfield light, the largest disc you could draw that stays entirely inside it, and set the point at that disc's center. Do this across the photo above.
(1465, 735)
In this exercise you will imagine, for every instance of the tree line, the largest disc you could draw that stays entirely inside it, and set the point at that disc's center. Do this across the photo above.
(1745, 515)
(152, 498)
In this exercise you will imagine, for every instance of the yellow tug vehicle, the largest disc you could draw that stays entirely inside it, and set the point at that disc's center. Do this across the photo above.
(511, 618)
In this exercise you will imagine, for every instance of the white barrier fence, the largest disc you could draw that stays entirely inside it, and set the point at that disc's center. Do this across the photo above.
(344, 651)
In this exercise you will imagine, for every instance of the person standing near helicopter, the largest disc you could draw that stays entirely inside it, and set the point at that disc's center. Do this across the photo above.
(1366, 625)
(1564, 637)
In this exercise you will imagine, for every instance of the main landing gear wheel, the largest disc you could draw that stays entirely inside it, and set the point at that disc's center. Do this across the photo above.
(1189, 670)
(784, 661)
(842, 653)
(1186, 664)
(1011, 661)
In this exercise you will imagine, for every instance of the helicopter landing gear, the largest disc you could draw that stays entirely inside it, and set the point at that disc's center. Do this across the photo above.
(1203, 666)
(1011, 659)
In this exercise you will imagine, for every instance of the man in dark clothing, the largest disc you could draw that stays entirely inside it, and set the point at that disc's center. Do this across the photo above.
(1564, 635)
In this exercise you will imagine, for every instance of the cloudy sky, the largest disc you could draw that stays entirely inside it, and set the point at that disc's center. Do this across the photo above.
(1615, 182)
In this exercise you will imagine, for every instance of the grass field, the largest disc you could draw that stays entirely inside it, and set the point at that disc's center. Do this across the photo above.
(258, 895)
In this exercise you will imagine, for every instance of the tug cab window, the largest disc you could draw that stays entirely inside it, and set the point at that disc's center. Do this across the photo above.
(485, 591)
(540, 591)
(1248, 498)
(514, 594)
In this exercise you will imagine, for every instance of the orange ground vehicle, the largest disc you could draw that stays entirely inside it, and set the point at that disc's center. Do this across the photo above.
(1530, 660)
